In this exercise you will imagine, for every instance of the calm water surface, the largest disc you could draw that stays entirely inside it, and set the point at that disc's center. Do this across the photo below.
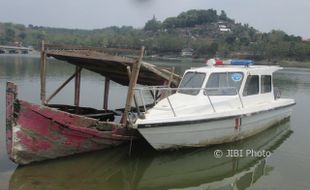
(287, 168)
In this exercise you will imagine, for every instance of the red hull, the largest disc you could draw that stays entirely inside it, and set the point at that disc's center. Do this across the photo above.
(37, 133)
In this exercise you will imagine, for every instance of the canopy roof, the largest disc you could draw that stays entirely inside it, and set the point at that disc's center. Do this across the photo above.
(112, 63)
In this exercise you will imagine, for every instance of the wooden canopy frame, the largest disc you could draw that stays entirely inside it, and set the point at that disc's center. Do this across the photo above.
(123, 66)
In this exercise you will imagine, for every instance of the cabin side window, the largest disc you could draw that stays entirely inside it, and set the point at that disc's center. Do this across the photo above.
(224, 83)
(251, 86)
(265, 83)
(191, 80)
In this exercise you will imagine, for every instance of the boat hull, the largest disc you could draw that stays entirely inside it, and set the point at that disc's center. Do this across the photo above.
(35, 133)
(201, 133)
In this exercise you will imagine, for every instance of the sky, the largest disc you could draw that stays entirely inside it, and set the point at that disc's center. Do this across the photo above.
(291, 16)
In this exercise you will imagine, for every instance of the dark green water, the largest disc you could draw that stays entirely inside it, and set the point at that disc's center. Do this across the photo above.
(287, 168)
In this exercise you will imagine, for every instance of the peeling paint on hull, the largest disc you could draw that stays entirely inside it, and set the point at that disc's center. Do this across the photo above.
(35, 133)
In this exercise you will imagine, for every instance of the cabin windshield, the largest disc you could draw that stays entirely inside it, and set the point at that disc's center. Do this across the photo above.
(224, 84)
(191, 80)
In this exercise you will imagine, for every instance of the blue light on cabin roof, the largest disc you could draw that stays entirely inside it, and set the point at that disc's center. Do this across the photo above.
(242, 62)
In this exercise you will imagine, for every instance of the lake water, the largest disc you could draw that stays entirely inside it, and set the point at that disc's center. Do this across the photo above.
(287, 166)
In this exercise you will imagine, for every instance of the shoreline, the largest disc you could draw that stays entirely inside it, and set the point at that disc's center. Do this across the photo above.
(282, 63)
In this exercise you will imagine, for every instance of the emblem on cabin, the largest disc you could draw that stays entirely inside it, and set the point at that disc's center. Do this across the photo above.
(236, 77)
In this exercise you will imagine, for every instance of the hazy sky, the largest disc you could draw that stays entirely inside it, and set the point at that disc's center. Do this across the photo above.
(291, 16)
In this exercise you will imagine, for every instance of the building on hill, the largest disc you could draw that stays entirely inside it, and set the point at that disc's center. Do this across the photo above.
(223, 27)
(187, 52)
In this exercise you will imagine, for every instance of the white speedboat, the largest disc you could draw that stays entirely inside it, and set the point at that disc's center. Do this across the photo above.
(220, 103)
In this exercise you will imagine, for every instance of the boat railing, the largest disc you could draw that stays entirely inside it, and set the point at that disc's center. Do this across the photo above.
(161, 92)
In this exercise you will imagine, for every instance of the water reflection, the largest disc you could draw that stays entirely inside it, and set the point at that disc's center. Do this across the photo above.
(27, 66)
(293, 80)
(145, 169)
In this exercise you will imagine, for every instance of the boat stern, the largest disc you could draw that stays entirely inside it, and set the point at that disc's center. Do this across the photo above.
(11, 106)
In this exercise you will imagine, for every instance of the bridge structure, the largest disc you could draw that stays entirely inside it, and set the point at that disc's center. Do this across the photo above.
(15, 49)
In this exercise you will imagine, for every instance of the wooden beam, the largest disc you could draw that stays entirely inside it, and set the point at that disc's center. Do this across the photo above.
(106, 93)
(77, 86)
(132, 85)
(43, 74)
(62, 86)
(89, 55)
(168, 93)
(134, 95)
(164, 73)
(171, 77)
(80, 48)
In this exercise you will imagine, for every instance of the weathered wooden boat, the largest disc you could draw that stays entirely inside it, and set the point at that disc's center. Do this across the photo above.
(38, 132)
(215, 104)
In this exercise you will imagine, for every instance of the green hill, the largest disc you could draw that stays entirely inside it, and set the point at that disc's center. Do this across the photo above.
(205, 31)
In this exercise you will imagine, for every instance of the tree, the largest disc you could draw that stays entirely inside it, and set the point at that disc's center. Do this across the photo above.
(223, 16)
(9, 35)
(171, 22)
(152, 25)
(191, 18)
(22, 35)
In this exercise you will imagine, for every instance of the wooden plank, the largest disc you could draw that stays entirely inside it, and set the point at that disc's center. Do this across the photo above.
(88, 55)
(77, 86)
(171, 77)
(132, 85)
(134, 95)
(43, 74)
(61, 87)
(106, 93)
(99, 49)
(165, 75)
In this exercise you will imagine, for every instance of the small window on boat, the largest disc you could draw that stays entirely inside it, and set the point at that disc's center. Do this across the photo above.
(251, 85)
(266, 83)
(191, 80)
(224, 83)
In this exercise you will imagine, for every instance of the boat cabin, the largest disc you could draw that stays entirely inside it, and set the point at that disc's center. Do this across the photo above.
(249, 82)
(217, 88)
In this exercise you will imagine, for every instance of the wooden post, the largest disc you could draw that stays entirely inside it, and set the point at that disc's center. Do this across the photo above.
(43, 74)
(77, 86)
(171, 76)
(131, 86)
(134, 96)
(106, 93)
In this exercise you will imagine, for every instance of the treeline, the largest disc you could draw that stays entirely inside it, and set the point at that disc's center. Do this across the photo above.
(126, 36)
(190, 18)
(205, 31)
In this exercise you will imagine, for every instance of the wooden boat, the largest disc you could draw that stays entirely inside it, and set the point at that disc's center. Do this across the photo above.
(38, 132)
(215, 104)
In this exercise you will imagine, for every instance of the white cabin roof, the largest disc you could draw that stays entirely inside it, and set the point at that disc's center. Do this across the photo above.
(253, 69)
